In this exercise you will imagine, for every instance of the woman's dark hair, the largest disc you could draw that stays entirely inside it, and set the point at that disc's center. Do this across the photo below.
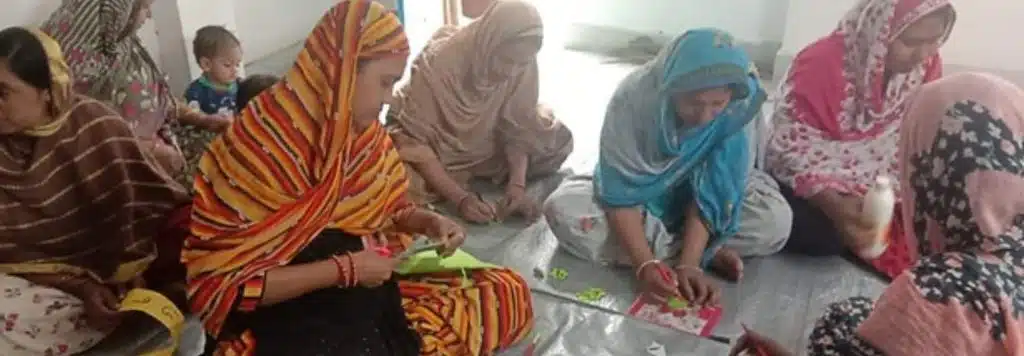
(251, 87)
(25, 57)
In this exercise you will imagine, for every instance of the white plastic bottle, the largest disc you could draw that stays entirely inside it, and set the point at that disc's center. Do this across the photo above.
(879, 205)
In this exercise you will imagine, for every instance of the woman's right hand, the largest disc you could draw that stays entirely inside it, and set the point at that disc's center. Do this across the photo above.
(100, 303)
(845, 213)
(475, 210)
(166, 156)
(372, 269)
(658, 279)
(217, 122)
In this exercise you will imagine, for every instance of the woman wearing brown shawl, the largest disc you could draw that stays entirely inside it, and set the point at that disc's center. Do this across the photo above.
(470, 111)
(110, 64)
(80, 204)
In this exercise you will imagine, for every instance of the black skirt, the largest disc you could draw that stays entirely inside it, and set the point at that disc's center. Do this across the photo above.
(813, 233)
(331, 321)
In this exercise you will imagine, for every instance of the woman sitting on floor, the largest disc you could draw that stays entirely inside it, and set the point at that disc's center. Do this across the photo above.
(675, 173)
(962, 169)
(836, 127)
(82, 205)
(294, 198)
(110, 64)
(470, 111)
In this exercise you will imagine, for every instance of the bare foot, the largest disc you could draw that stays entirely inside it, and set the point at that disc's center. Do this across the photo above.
(728, 263)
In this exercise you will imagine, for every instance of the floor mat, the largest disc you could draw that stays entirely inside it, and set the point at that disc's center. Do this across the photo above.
(780, 296)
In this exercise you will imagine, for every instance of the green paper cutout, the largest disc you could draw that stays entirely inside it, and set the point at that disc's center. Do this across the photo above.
(466, 281)
(677, 303)
(591, 295)
(430, 262)
(559, 274)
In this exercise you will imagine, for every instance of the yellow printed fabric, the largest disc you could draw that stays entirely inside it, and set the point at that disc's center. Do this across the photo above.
(291, 165)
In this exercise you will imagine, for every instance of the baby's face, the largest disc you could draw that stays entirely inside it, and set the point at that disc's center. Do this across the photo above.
(223, 68)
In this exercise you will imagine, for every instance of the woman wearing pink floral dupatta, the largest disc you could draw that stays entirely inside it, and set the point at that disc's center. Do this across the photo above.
(961, 161)
(837, 125)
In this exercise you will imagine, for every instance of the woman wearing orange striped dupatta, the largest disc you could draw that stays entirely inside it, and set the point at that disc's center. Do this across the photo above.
(295, 197)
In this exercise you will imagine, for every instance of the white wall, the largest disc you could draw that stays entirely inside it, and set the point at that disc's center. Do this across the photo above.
(610, 25)
(266, 26)
(978, 41)
(982, 39)
(749, 20)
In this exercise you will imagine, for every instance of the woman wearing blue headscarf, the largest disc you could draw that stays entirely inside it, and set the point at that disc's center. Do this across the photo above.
(675, 175)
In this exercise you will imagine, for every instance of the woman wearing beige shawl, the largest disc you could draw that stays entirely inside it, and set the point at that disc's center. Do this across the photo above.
(470, 111)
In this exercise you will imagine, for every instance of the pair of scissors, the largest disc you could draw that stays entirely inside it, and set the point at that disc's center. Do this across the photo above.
(414, 249)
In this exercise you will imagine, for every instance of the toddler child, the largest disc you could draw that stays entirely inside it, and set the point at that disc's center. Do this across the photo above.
(219, 54)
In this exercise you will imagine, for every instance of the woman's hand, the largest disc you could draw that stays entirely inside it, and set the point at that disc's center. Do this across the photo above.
(845, 213)
(100, 302)
(474, 209)
(658, 279)
(754, 344)
(847, 216)
(167, 157)
(217, 122)
(447, 232)
(372, 269)
(517, 201)
(696, 287)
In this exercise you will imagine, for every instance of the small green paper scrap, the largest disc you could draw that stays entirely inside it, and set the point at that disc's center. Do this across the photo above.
(559, 274)
(591, 295)
(677, 303)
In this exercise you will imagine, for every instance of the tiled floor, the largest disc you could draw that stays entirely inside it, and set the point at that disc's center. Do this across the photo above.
(781, 296)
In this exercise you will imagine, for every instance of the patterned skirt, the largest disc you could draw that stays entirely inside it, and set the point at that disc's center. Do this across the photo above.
(835, 333)
(193, 142)
(435, 314)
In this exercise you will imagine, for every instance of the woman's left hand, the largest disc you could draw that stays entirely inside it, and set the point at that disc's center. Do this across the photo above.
(517, 201)
(447, 232)
(100, 303)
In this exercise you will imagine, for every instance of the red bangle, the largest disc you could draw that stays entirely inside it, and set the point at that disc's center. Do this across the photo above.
(353, 276)
(342, 278)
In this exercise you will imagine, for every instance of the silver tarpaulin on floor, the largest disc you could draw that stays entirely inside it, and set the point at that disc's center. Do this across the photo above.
(780, 296)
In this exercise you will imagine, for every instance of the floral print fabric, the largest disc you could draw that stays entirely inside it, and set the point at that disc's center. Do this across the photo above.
(117, 69)
(38, 320)
(963, 169)
(837, 124)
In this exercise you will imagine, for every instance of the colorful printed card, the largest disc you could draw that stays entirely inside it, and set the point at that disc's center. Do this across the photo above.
(676, 313)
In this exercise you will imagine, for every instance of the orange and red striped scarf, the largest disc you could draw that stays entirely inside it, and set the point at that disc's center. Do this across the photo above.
(292, 165)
